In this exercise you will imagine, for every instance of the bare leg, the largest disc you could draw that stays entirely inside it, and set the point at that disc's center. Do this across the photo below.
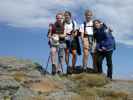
(73, 58)
(85, 57)
(67, 56)
(53, 55)
(53, 59)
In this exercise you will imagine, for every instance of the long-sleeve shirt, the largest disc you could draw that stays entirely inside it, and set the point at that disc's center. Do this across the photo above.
(104, 39)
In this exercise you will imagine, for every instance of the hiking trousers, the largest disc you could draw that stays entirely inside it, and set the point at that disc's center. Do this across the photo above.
(100, 57)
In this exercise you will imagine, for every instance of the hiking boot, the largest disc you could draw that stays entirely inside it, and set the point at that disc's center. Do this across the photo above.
(109, 76)
(78, 69)
(53, 69)
(69, 70)
(73, 69)
(59, 72)
(85, 68)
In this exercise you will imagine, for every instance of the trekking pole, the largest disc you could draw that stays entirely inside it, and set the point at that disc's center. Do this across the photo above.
(47, 63)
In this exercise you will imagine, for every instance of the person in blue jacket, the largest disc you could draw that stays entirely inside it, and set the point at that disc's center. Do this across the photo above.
(105, 45)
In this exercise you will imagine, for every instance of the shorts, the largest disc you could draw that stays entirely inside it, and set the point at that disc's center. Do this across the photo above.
(71, 44)
(61, 48)
(86, 44)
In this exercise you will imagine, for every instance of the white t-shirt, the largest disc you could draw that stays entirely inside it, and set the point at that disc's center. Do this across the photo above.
(69, 27)
(89, 28)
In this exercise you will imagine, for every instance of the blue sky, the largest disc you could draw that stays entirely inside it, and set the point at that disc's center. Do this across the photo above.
(23, 28)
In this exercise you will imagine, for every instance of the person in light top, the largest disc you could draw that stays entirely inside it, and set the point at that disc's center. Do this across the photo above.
(70, 27)
(86, 30)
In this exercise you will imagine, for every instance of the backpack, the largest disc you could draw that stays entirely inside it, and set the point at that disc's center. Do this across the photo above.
(111, 41)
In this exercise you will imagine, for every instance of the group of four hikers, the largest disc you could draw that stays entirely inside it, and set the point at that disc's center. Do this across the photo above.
(97, 39)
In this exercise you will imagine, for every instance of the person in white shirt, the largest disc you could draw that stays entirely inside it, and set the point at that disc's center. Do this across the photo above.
(70, 27)
(86, 30)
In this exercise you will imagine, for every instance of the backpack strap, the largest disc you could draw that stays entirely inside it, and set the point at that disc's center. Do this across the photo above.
(84, 26)
(73, 25)
(50, 30)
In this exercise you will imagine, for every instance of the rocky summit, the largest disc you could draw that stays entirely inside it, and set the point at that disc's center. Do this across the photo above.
(24, 80)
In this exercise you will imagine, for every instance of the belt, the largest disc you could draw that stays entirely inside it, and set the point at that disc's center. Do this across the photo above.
(69, 34)
(86, 35)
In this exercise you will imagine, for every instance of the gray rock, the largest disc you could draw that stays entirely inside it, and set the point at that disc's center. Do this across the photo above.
(8, 88)
(24, 94)
(8, 84)
(34, 73)
(26, 73)
(13, 64)
(120, 86)
(62, 96)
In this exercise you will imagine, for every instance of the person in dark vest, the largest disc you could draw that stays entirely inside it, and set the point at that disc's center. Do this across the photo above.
(105, 45)
(70, 27)
(56, 36)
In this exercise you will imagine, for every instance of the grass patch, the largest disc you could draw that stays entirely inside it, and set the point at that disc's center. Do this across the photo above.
(89, 80)
(19, 76)
(112, 94)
